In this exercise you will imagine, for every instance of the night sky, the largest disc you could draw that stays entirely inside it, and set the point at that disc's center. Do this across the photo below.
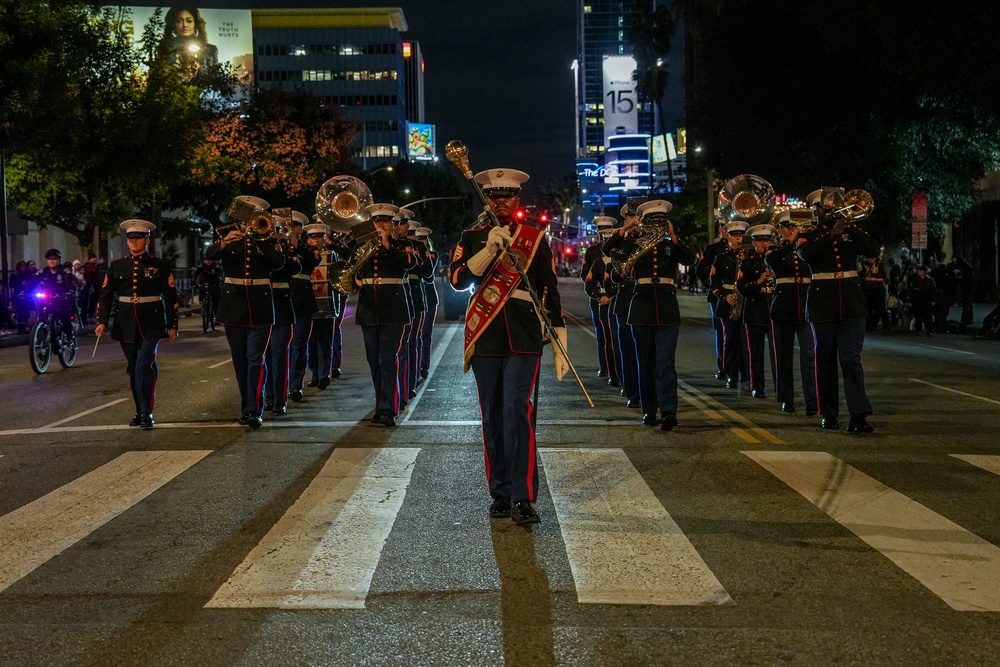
(497, 76)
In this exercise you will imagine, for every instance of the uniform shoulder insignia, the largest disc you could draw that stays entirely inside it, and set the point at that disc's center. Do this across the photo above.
(459, 253)
(105, 283)
(739, 274)
(170, 280)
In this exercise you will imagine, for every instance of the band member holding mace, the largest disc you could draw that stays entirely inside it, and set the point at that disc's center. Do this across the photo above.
(141, 291)
(503, 337)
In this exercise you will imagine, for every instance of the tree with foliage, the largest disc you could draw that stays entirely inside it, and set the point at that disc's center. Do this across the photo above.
(651, 38)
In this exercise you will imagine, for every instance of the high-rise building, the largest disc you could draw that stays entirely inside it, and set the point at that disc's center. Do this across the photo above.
(354, 58)
(414, 60)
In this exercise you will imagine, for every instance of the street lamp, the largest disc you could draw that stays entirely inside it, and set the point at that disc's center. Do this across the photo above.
(387, 167)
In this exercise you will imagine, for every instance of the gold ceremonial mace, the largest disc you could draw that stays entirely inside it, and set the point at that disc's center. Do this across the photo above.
(458, 154)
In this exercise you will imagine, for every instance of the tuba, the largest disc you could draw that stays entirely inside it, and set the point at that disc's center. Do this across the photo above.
(746, 198)
(341, 202)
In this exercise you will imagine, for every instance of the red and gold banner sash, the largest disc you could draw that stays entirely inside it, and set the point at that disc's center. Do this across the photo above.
(499, 284)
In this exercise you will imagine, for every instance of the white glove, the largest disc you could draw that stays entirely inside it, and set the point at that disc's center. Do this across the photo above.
(481, 261)
(561, 362)
(498, 239)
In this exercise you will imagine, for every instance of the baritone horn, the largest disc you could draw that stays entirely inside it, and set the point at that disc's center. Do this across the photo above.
(858, 205)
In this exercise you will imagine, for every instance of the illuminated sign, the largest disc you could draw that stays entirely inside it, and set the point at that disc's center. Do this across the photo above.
(682, 140)
(407, 50)
(197, 37)
(659, 149)
(420, 142)
(621, 108)
(671, 151)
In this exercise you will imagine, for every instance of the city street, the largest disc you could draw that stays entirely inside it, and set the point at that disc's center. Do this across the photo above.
(745, 536)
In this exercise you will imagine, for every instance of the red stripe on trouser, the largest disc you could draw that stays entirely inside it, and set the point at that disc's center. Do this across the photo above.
(260, 380)
(531, 439)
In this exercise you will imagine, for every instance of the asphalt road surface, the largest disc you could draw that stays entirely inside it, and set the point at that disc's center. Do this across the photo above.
(744, 537)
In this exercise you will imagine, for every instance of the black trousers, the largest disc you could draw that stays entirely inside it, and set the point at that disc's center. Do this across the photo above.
(382, 346)
(732, 348)
(609, 352)
(718, 330)
(785, 332)
(298, 356)
(321, 347)
(595, 316)
(757, 351)
(426, 336)
(337, 349)
(247, 346)
(413, 350)
(630, 363)
(656, 349)
(403, 364)
(840, 341)
(506, 386)
(140, 359)
(276, 364)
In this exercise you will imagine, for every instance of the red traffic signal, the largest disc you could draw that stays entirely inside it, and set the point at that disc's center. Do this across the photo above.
(544, 217)
(519, 214)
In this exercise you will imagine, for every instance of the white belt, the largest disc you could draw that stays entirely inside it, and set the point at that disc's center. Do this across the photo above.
(302, 276)
(785, 281)
(280, 285)
(725, 286)
(380, 281)
(522, 295)
(138, 299)
(413, 276)
(833, 275)
(655, 281)
(248, 281)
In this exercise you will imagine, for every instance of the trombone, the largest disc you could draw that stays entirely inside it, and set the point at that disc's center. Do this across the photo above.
(458, 154)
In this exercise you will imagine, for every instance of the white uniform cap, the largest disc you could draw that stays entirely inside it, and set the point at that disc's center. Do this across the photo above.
(781, 218)
(501, 179)
(136, 226)
(760, 232)
(412, 225)
(826, 195)
(404, 214)
(280, 221)
(605, 221)
(625, 210)
(423, 232)
(736, 226)
(382, 210)
(655, 206)
(300, 218)
(316, 228)
(256, 202)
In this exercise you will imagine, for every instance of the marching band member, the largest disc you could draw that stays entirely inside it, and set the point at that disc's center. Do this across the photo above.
(788, 316)
(653, 312)
(622, 300)
(755, 282)
(503, 338)
(340, 249)
(414, 302)
(704, 273)
(835, 304)
(382, 311)
(601, 290)
(320, 354)
(723, 285)
(277, 353)
(141, 291)
(416, 279)
(303, 303)
(247, 309)
(426, 248)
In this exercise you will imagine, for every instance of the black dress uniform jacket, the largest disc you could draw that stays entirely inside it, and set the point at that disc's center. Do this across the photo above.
(384, 302)
(249, 300)
(792, 278)
(517, 329)
(758, 296)
(150, 310)
(704, 270)
(654, 301)
(284, 310)
(302, 294)
(835, 292)
(725, 270)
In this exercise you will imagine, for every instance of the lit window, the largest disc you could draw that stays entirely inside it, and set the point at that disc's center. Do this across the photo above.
(299, 50)
(348, 50)
(587, 9)
(407, 50)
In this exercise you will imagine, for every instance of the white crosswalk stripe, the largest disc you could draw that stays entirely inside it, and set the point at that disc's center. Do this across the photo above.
(34, 533)
(956, 565)
(623, 546)
(323, 552)
(987, 462)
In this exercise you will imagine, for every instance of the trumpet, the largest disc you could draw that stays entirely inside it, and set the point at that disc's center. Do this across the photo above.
(858, 205)
(261, 225)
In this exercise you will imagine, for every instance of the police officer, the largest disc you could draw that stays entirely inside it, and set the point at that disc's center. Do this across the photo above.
(59, 286)
(653, 312)
(503, 338)
(382, 311)
(247, 307)
(788, 314)
(704, 273)
(601, 289)
(723, 274)
(141, 292)
(303, 303)
(276, 357)
(835, 305)
(756, 284)
(429, 286)
(620, 306)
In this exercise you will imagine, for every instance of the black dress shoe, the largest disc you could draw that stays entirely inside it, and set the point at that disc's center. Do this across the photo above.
(254, 421)
(650, 419)
(668, 423)
(312, 382)
(500, 508)
(269, 406)
(413, 393)
(732, 384)
(633, 404)
(423, 373)
(721, 375)
(146, 420)
(387, 419)
(295, 395)
(830, 423)
(622, 392)
(335, 372)
(614, 383)
(859, 425)
(811, 409)
(758, 393)
(788, 407)
(324, 382)
(135, 420)
(244, 419)
(280, 410)
(523, 513)
(602, 374)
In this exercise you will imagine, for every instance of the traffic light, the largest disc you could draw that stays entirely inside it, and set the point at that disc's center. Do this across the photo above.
(544, 217)
(519, 214)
